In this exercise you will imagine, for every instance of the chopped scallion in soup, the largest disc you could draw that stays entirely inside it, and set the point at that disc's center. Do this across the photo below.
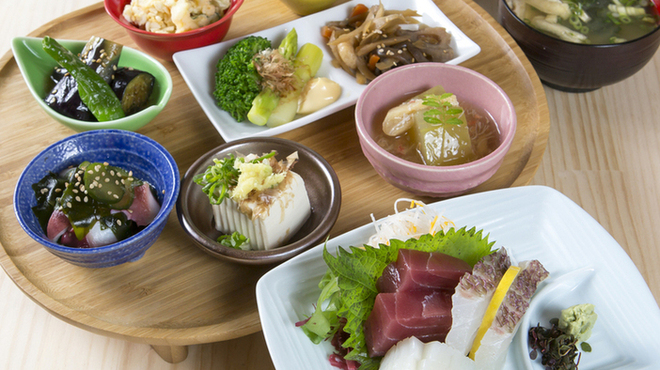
(589, 21)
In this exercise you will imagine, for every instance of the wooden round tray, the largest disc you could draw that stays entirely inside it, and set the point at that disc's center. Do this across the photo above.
(177, 295)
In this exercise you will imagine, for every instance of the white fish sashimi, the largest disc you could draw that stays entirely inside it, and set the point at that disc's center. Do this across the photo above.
(403, 356)
(494, 345)
(471, 299)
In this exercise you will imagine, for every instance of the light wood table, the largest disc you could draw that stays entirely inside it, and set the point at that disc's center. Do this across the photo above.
(602, 152)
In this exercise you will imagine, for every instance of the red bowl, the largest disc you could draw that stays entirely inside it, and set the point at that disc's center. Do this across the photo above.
(164, 45)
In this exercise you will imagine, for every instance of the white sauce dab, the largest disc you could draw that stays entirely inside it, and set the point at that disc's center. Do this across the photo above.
(318, 93)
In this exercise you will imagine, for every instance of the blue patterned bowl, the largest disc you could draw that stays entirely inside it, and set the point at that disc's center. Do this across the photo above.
(147, 159)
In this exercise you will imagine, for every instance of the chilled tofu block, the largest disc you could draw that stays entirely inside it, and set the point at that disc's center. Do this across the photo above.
(268, 218)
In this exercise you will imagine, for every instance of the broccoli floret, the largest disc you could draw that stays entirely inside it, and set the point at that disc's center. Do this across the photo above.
(237, 82)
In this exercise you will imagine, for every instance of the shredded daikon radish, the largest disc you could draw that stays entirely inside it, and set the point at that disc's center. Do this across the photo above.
(417, 220)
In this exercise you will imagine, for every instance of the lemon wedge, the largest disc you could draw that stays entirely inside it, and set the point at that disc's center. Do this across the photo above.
(494, 305)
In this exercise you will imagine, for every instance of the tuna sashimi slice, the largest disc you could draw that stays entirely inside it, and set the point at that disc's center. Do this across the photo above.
(422, 270)
(425, 316)
(423, 308)
(471, 299)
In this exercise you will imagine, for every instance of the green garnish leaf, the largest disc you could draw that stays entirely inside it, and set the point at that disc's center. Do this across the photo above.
(236, 240)
(221, 176)
(443, 112)
(349, 285)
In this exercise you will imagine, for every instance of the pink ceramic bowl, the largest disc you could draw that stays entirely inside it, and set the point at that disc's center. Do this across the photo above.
(390, 88)
(164, 45)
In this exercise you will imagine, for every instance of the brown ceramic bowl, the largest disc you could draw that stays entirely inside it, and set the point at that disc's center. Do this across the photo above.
(196, 216)
(575, 67)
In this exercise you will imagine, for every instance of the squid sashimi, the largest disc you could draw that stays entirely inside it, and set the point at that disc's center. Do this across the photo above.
(413, 354)
(404, 355)
(439, 355)
(471, 299)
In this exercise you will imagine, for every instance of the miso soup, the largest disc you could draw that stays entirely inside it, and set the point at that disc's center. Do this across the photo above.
(589, 21)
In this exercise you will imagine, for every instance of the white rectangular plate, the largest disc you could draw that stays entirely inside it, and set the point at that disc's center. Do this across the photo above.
(198, 66)
(586, 265)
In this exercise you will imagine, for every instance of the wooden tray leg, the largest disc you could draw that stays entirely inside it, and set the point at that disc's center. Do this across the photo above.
(172, 354)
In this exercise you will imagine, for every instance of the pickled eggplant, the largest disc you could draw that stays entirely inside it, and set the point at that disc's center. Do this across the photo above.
(133, 88)
(99, 54)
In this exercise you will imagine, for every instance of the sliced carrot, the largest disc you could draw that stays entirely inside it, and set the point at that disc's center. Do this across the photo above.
(326, 32)
(359, 9)
(373, 59)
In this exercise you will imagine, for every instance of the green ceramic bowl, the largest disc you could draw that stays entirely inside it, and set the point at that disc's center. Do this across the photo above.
(36, 66)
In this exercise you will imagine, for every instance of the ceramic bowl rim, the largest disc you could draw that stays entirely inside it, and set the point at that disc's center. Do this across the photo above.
(260, 256)
(494, 156)
(167, 205)
(574, 44)
(233, 8)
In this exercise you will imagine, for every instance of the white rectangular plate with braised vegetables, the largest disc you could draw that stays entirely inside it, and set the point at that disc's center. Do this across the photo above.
(198, 66)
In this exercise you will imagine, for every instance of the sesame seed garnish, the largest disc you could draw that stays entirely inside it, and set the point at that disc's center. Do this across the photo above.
(118, 222)
(68, 204)
(85, 199)
(115, 196)
(77, 199)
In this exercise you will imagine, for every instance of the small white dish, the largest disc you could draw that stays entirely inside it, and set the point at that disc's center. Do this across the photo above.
(586, 265)
(198, 66)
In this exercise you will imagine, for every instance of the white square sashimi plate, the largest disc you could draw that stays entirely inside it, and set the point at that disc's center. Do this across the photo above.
(198, 66)
(586, 265)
